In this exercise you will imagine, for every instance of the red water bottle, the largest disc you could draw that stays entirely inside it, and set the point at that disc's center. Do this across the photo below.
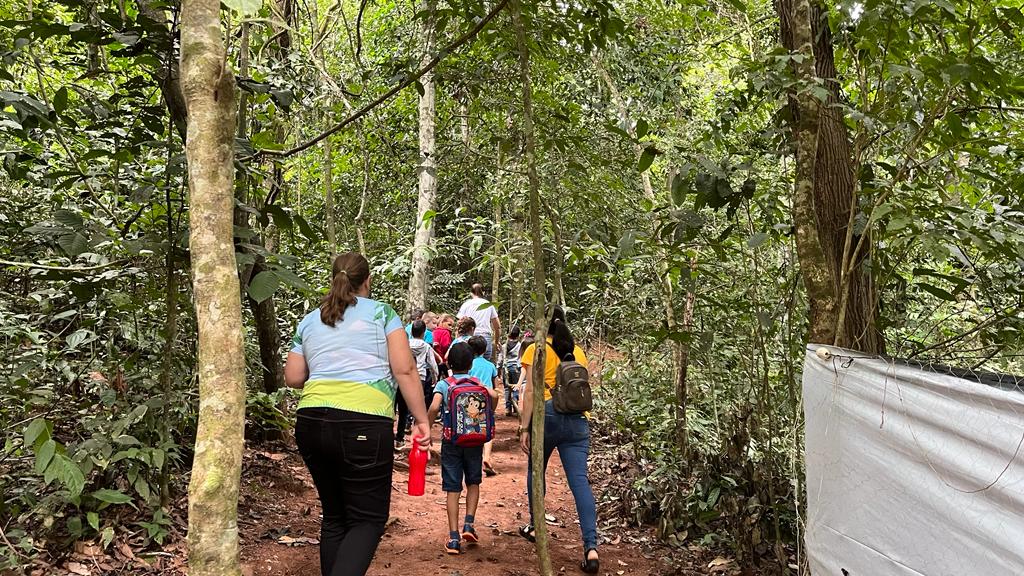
(417, 468)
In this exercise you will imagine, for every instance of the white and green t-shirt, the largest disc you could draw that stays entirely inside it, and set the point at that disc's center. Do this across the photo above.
(348, 363)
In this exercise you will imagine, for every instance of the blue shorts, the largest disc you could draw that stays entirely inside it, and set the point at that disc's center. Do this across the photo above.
(458, 462)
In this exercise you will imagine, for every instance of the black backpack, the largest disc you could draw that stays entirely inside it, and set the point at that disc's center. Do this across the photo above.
(572, 394)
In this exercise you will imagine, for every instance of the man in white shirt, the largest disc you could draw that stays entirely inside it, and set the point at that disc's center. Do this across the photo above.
(485, 315)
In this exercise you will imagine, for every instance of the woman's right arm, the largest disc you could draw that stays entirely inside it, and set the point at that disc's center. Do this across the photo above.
(403, 367)
(296, 372)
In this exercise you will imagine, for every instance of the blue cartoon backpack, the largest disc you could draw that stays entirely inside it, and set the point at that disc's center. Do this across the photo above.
(470, 413)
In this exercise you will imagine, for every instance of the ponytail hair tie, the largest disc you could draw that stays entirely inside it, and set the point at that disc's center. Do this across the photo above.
(343, 271)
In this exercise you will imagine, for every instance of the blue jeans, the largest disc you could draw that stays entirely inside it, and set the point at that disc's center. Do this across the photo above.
(570, 434)
(511, 379)
(459, 463)
(490, 345)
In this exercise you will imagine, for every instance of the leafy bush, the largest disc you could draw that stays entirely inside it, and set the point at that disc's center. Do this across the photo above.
(720, 491)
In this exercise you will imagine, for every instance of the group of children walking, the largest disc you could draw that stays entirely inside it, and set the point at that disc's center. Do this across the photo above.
(461, 381)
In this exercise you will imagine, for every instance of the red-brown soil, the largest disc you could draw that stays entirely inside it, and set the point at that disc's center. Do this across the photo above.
(279, 500)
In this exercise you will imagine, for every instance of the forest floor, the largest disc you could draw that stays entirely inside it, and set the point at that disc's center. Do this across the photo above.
(280, 525)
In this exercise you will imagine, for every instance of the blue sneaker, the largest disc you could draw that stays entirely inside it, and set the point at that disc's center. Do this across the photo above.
(469, 534)
(453, 547)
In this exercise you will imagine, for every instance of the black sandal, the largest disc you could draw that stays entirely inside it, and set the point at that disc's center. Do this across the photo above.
(590, 565)
(528, 533)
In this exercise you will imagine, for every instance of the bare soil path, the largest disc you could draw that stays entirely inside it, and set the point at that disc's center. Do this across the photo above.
(280, 523)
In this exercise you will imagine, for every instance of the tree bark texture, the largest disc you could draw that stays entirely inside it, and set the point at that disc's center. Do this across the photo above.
(168, 77)
(419, 280)
(825, 191)
(209, 90)
(539, 297)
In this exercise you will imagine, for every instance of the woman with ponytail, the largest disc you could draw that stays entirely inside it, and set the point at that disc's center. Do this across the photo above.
(350, 357)
(569, 433)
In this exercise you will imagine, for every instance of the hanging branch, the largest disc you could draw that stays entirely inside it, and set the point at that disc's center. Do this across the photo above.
(35, 266)
(456, 44)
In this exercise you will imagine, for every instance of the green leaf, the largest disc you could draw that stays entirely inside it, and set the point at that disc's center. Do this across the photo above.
(157, 456)
(290, 278)
(263, 286)
(642, 128)
(281, 218)
(308, 231)
(678, 190)
(937, 292)
(60, 100)
(78, 337)
(44, 455)
(73, 244)
(428, 218)
(756, 239)
(738, 4)
(127, 440)
(137, 413)
(69, 474)
(93, 519)
(107, 537)
(142, 487)
(244, 7)
(625, 248)
(647, 158)
(111, 496)
(37, 432)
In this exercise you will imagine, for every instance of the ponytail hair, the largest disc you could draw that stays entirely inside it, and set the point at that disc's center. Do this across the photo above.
(561, 338)
(348, 273)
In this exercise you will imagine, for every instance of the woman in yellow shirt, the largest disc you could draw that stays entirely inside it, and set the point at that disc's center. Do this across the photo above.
(569, 433)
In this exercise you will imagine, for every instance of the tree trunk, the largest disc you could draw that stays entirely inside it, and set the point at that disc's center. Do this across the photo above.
(170, 322)
(841, 293)
(167, 77)
(498, 228)
(359, 219)
(539, 298)
(268, 334)
(683, 365)
(419, 280)
(209, 90)
(332, 234)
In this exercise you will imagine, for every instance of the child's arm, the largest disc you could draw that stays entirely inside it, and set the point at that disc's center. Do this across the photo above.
(435, 407)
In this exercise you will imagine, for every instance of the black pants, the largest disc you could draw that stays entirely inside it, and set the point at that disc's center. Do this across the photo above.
(350, 457)
(404, 414)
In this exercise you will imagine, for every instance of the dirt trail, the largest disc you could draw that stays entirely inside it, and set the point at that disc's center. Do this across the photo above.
(279, 503)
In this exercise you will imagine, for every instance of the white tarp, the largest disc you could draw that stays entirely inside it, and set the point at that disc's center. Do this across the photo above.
(910, 471)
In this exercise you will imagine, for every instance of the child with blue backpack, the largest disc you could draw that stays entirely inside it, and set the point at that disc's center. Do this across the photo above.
(487, 373)
(466, 406)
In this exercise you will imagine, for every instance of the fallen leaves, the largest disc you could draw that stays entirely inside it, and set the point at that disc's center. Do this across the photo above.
(77, 568)
(297, 541)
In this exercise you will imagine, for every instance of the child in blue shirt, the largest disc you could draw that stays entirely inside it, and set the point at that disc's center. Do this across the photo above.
(487, 373)
(458, 463)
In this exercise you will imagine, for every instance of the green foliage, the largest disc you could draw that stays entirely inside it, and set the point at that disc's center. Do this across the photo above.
(95, 218)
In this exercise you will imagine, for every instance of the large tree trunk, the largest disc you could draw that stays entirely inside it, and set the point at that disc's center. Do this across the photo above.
(825, 191)
(209, 90)
(539, 297)
(418, 281)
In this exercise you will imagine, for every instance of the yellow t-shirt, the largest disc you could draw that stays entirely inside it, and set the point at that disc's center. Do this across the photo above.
(551, 363)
